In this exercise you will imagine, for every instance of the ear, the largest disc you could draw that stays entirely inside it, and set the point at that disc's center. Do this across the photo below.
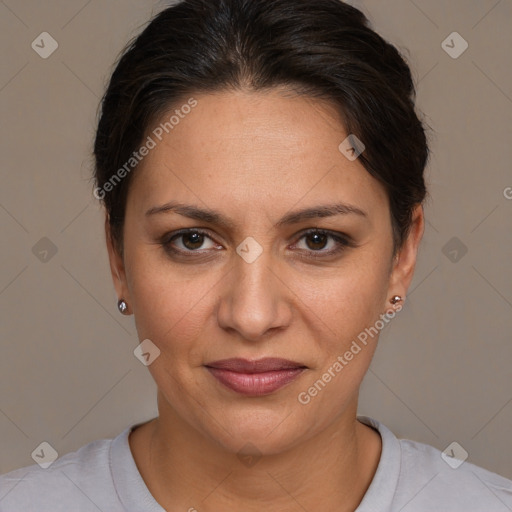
(405, 261)
(117, 268)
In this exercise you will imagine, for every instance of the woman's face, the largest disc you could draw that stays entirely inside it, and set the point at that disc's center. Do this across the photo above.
(253, 283)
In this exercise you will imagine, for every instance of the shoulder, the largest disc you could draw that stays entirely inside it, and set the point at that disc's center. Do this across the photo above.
(80, 480)
(430, 478)
(416, 477)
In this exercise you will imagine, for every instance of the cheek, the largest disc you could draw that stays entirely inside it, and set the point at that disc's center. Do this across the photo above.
(349, 298)
(339, 302)
(169, 308)
(341, 317)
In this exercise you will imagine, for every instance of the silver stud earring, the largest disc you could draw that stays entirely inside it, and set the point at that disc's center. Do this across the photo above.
(395, 299)
(122, 306)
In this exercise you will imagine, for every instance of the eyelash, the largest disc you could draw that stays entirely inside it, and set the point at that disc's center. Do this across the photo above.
(343, 242)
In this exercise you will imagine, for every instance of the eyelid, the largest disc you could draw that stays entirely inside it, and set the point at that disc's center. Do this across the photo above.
(169, 237)
(342, 240)
(324, 231)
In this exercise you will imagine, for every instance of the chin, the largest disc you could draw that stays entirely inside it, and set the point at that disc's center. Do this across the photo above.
(263, 431)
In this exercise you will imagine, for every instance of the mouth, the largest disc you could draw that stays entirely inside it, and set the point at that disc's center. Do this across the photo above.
(255, 378)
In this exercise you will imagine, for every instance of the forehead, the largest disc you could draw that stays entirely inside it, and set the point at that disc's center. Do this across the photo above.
(250, 148)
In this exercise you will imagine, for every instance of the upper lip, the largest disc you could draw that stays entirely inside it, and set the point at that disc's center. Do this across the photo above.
(266, 364)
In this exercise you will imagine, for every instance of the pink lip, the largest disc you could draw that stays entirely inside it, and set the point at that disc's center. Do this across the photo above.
(255, 378)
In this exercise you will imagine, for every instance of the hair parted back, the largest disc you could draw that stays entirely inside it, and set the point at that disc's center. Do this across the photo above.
(317, 48)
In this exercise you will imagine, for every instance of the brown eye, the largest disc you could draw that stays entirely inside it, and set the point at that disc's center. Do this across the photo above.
(190, 241)
(318, 241)
(321, 243)
(193, 240)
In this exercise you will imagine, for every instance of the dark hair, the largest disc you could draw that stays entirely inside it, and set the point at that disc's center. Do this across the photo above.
(318, 48)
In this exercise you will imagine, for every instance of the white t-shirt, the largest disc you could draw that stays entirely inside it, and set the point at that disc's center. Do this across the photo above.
(102, 476)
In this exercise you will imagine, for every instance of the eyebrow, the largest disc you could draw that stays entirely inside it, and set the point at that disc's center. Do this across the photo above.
(214, 217)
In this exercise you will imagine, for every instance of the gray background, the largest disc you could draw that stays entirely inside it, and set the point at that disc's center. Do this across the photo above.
(443, 370)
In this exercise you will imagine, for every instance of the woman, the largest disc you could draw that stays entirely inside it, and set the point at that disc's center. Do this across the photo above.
(261, 167)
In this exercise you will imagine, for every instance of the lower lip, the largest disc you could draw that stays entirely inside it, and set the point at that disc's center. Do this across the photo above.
(255, 384)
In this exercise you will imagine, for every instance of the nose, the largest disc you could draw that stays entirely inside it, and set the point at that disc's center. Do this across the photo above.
(255, 299)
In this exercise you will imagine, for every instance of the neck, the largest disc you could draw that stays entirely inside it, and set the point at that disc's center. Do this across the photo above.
(185, 470)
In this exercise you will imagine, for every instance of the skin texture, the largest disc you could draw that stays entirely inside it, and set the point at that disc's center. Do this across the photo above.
(255, 157)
